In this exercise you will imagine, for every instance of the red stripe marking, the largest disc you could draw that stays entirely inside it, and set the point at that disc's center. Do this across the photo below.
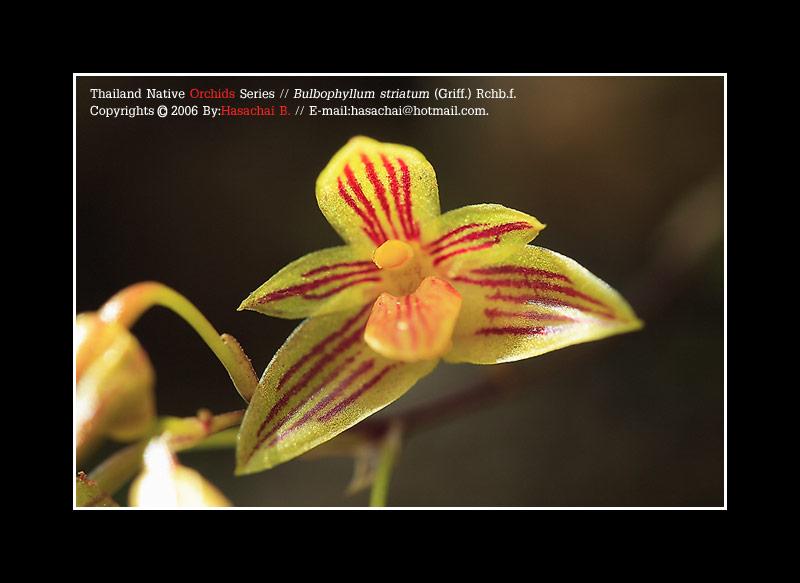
(343, 385)
(533, 300)
(344, 286)
(380, 191)
(339, 407)
(526, 284)
(356, 187)
(521, 271)
(412, 330)
(426, 327)
(395, 187)
(493, 313)
(515, 330)
(333, 266)
(277, 407)
(312, 372)
(495, 231)
(302, 288)
(343, 347)
(330, 378)
(320, 346)
(397, 311)
(412, 226)
(455, 231)
(447, 256)
(369, 229)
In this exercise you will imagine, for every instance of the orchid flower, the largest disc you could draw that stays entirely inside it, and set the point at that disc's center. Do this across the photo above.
(411, 286)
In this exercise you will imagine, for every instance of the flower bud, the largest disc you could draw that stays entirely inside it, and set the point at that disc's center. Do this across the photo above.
(115, 379)
(165, 483)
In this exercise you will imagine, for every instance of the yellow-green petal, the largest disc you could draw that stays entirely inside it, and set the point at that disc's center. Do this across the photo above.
(530, 303)
(319, 283)
(372, 191)
(322, 381)
(474, 235)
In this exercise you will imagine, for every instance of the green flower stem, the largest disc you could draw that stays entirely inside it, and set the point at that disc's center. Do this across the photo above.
(390, 448)
(222, 440)
(120, 468)
(129, 304)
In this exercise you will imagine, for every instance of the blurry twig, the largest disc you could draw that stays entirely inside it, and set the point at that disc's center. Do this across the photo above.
(497, 387)
(689, 232)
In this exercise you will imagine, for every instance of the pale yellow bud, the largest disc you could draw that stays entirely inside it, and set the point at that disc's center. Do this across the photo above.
(165, 483)
(115, 380)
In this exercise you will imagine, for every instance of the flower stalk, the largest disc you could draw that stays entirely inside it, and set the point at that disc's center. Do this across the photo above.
(127, 306)
(390, 449)
(201, 432)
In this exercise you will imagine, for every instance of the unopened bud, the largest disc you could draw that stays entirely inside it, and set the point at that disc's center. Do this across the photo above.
(115, 379)
(165, 483)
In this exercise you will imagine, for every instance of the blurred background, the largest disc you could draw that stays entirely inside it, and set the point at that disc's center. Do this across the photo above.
(627, 172)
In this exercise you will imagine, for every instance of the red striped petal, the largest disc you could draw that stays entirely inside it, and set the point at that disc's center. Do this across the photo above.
(473, 236)
(323, 380)
(319, 283)
(532, 302)
(371, 192)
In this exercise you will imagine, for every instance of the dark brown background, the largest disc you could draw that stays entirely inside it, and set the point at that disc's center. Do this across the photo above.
(626, 172)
